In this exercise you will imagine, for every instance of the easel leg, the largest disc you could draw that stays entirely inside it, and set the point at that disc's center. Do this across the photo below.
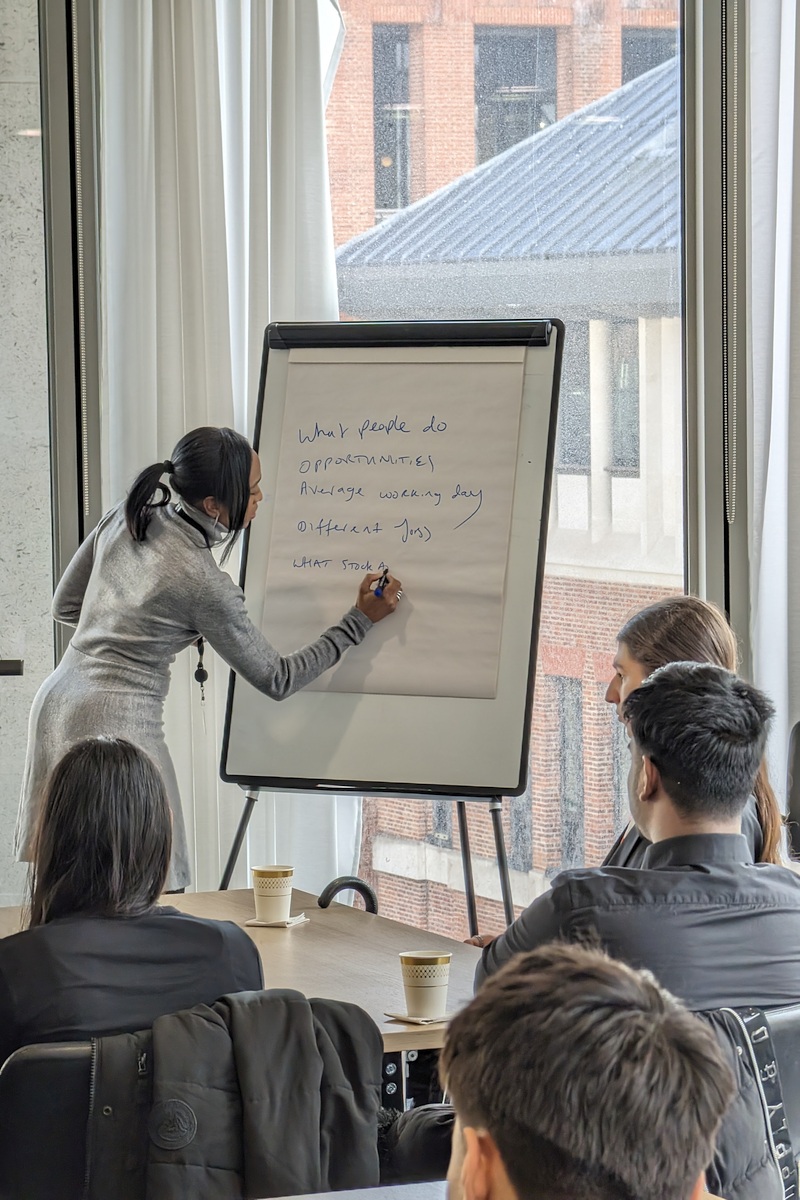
(466, 859)
(496, 809)
(244, 821)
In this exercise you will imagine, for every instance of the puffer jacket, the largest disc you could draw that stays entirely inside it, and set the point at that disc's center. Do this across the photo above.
(262, 1094)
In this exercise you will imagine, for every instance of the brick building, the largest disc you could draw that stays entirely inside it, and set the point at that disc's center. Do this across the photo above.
(578, 769)
(460, 96)
(426, 89)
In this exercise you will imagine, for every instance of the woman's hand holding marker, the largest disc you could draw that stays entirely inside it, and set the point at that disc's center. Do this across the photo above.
(377, 602)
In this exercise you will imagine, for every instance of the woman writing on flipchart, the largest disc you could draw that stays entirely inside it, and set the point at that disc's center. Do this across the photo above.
(143, 586)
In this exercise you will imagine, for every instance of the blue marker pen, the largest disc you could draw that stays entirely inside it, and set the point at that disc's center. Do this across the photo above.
(382, 582)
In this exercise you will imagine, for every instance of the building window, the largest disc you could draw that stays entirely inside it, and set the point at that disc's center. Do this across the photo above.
(620, 764)
(464, 250)
(391, 118)
(520, 848)
(441, 833)
(573, 446)
(624, 367)
(643, 49)
(570, 759)
(515, 85)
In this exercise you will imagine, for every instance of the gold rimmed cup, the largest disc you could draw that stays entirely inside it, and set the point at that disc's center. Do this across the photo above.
(272, 891)
(426, 974)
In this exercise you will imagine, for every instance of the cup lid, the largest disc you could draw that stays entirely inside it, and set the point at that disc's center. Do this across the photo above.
(281, 871)
(424, 958)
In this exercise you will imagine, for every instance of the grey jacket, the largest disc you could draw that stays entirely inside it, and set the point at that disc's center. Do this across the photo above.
(262, 1094)
(136, 605)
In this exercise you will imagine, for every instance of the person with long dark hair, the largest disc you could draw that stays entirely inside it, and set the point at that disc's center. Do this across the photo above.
(99, 955)
(686, 629)
(143, 586)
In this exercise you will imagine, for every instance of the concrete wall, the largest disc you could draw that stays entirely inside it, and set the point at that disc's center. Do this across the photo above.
(26, 630)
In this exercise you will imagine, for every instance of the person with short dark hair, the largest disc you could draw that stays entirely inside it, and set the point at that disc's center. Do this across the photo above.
(703, 731)
(574, 1077)
(99, 955)
(715, 928)
(143, 586)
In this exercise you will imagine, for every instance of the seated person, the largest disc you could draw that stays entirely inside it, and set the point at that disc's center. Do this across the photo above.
(99, 955)
(576, 1078)
(715, 928)
(686, 629)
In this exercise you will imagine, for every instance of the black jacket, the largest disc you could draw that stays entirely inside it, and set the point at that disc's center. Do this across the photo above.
(82, 976)
(262, 1094)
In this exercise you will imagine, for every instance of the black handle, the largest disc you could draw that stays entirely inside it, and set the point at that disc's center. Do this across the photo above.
(349, 883)
(10, 666)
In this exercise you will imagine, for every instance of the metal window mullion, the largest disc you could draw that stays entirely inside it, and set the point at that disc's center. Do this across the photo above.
(715, 278)
(79, 266)
(85, 167)
(69, 116)
(735, 447)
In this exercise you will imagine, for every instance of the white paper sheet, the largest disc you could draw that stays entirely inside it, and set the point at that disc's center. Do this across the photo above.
(408, 464)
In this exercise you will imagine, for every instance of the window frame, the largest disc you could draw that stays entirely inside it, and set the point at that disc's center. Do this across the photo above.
(69, 89)
(715, 368)
(715, 435)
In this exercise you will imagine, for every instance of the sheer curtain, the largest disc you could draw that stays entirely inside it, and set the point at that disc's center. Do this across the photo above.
(215, 219)
(774, 392)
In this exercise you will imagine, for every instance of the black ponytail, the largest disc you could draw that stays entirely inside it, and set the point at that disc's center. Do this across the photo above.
(140, 503)
(206, 462)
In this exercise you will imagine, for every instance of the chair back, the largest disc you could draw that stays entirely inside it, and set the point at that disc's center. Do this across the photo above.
(784, 1027)
(764, 1050)
(44, 1107)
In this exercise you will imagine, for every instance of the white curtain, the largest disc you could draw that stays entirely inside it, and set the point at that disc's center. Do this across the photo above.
(215, 219)
(774, 391)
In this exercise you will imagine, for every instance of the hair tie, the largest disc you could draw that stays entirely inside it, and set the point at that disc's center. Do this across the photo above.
(169, 469)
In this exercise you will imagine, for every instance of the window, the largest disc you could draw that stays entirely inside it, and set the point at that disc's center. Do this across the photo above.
(581, 222)
(621, 761)
(570, 718)
(573, 451)
(643, 49)
(624, 366)
(391, 118)
(515, 85)
(441, 833)
(520, 834)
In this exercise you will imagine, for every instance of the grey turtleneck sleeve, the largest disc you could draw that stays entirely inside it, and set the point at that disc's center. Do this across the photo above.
(222, 619)
(141, 603)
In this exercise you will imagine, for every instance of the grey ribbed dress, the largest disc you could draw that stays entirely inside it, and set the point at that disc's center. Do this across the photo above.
(136, 605)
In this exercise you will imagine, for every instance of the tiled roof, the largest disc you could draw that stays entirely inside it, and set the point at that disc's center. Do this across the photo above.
(603, 181)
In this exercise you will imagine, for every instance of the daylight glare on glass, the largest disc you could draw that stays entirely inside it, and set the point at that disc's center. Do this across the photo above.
(525, 170)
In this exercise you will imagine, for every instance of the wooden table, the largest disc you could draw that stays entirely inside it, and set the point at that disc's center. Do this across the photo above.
(343, 953)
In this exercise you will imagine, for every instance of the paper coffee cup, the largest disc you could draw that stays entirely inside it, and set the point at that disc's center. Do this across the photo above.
(425, 978)
(272, 891)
